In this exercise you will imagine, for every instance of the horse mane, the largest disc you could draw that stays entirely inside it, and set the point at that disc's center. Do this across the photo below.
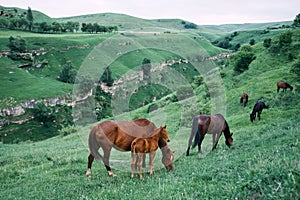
(226, 130)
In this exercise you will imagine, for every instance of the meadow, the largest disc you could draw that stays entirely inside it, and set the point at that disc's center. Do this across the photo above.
(263, 162)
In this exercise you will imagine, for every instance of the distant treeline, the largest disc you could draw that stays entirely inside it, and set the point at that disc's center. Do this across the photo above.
(11, 19)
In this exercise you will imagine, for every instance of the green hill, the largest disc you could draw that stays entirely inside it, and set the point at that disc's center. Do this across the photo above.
(128, 23)
(37, 15)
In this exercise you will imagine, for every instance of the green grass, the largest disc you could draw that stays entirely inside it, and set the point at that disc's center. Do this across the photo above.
(262, 164)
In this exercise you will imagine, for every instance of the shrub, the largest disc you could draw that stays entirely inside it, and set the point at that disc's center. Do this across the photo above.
(42, 113)
(296, 68)
(67, 74)
(17, 44)
(243, 58)
(67, 130)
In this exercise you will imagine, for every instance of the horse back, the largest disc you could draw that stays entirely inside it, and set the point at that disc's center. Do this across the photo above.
(282, 84)
(144, 145)
(217, 124)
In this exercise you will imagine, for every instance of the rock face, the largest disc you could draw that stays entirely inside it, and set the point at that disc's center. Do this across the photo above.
(20, 109)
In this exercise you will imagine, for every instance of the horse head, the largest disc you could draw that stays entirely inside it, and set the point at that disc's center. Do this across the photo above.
(167, 158)
(252, 117)
(229, 140)
(164, 133)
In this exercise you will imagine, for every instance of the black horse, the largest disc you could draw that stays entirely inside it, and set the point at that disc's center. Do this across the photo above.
(258, 107)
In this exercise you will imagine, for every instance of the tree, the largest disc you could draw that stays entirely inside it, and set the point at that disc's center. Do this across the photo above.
(243, 58)
(107, 77)
(67, 74)
(252, 42)
(285, 39)
(296, 68)
(17, 44)
(296, 21)
(43, 114)
(4, 23)
(146, 67)
(29, 17)
(267, 42)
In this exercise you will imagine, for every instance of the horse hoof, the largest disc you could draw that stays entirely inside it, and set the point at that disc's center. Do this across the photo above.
(111, 174)
(88, 173)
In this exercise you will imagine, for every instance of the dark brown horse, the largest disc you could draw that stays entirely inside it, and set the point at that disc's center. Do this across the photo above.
(244, 99)
(212, 124)
(258, 108)
(109, 134)
(284, 86)
(140, 146)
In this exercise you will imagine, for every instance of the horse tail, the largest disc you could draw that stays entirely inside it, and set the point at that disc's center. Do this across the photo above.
(197, 140)
(133, 146)
(194, 133)
(94, 145)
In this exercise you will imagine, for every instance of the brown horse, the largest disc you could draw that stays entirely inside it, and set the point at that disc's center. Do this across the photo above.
(140, 146)
(119, 135)
(212, 124)
(284, 86)
(244, 99)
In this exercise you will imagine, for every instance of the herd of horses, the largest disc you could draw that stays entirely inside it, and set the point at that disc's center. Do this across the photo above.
(142, 137)
(260, 105)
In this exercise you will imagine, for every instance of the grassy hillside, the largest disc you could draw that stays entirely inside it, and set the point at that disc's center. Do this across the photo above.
(57, 50)
(128, 23)
(37, 15)
(262, 164)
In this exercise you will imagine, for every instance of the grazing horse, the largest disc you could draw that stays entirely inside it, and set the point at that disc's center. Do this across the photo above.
(284, 86)
(109, 134)
(212, 124)
(258, 107)
(244, 99)
(140, 146)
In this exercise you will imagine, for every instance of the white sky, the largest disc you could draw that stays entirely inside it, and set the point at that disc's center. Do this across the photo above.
(196, 11)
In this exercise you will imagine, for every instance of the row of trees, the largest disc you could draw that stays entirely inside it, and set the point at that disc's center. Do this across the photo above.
(96, 28)
(54, 27)
(25, 22)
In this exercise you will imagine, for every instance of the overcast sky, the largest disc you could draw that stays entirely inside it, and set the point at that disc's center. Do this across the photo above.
(196, 11)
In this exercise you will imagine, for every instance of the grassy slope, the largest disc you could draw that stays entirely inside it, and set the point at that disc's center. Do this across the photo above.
(126, 22)
(37, 16)
(262, 164)
(57, 54)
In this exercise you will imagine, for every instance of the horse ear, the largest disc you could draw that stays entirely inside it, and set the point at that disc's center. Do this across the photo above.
(165, 126)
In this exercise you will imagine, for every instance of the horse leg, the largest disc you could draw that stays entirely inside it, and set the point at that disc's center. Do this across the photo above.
(140, 158)
(133, 163)
(151, 163)
(90, 162)
(216, 137)
(106, 160)
(188, 151)
(258, 115)
(144, 161)
(199, 145)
